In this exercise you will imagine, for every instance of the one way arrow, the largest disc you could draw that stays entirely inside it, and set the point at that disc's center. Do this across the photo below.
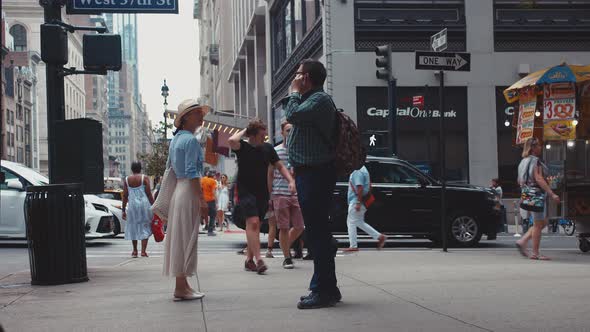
(443, 61)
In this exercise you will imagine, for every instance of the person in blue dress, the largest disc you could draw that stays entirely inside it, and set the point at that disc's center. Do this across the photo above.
(137, 202)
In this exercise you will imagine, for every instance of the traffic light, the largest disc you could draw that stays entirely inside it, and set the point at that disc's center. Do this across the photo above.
(383, 62)
(102, 52)
(54, 44)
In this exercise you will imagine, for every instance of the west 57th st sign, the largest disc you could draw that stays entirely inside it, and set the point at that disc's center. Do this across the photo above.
(456, 61)
(122, 6)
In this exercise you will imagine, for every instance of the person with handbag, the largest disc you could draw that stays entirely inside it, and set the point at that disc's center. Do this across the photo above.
(534, 189)
(359, 199)
(137, 200)
(185, 161)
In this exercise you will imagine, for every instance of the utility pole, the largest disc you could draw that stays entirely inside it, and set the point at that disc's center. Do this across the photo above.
(55, 90)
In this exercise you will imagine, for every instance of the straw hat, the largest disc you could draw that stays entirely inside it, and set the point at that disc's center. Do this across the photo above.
(188, 106)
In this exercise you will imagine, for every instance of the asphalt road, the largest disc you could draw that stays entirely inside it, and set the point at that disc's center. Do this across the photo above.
(113, 251)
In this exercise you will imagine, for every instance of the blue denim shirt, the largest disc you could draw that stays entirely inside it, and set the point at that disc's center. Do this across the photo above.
(186, 155)
(360, 177)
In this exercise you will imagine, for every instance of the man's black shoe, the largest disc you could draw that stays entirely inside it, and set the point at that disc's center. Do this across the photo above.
(288, 264)
(298, 255)
(337, 296)
(308, 257)
(315, 301)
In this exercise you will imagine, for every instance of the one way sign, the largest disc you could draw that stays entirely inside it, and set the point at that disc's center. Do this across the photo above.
(453, 61)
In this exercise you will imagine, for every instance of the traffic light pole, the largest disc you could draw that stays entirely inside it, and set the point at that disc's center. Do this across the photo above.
(392, 125)
(55, 91)
(442, 137)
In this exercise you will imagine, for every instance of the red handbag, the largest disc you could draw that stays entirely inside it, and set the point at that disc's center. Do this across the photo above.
(157, 229)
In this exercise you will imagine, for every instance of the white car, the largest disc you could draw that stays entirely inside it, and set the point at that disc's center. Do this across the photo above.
(113, 206)
(16, 177)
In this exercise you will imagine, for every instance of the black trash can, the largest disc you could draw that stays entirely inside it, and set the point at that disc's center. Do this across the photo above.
(54, 217)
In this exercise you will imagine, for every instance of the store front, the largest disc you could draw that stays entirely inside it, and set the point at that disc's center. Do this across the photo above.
(418, 127)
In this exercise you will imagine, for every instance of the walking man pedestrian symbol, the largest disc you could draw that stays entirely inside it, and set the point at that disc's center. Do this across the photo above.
(372, 139)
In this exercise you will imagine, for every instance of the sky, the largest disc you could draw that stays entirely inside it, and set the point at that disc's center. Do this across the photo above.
(168, 49)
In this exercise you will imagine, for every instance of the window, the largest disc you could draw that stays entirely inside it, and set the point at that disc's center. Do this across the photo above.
(391, 173)
(9, 178)
(408, 24)
(288, 29)
(19, 112)
(298, 21)
(20, 155)
(311, 12)
(291, 21)
(418, 127)
(19, 34)
(541, 25)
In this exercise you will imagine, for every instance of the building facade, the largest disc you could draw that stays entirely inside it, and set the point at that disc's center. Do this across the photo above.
(19, 124)
(129, 126)
(506, 39)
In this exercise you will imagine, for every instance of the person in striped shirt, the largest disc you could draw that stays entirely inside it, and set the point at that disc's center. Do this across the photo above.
(287, 212)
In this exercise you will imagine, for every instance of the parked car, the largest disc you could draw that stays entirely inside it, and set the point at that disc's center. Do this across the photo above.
(113, 206)
(408, 203)
(98, 220)
(114, 194)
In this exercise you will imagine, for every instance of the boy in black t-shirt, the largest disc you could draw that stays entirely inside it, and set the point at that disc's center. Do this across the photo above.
(254, 159)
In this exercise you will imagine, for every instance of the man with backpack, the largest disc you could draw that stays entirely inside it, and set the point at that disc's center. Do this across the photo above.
(311, 145)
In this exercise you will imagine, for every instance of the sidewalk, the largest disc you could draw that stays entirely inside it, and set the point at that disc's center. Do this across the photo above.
(394, 290)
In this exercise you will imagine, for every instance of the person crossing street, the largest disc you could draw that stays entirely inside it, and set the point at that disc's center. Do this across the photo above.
(358, 189)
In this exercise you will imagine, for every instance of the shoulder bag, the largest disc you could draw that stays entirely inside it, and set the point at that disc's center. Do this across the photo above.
(162, 204)
(531, 198)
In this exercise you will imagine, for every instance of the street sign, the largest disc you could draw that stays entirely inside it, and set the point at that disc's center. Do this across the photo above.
(122, 6)
(438, 41)
(454, 61)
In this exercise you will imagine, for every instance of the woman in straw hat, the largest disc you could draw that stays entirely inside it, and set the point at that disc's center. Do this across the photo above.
(186, 159)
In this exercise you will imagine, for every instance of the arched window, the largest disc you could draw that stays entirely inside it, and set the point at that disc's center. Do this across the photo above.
(19, 34)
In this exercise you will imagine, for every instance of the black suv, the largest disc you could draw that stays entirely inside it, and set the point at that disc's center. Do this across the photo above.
(408, 203)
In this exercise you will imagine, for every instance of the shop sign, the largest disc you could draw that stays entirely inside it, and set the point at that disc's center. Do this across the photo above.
(559, 110)
(559, 101)
(418, 101)
(559, 130)
(373, 114)
(526, 115)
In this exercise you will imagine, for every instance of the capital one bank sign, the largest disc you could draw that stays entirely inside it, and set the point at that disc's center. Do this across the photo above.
(372, 111)
(411, 112)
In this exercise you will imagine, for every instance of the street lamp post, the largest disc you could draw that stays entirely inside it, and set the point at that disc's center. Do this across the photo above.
(165, 94)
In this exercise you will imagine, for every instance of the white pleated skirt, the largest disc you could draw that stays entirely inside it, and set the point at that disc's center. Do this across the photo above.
(182, 232)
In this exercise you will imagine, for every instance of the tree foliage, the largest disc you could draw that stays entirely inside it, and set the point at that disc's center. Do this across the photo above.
(155, 162)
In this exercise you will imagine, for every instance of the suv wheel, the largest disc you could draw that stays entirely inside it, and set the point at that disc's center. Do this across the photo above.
(464, 231)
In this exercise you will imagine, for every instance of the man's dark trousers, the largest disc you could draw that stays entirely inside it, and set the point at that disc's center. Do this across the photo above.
(212, 209)
(315, 189)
